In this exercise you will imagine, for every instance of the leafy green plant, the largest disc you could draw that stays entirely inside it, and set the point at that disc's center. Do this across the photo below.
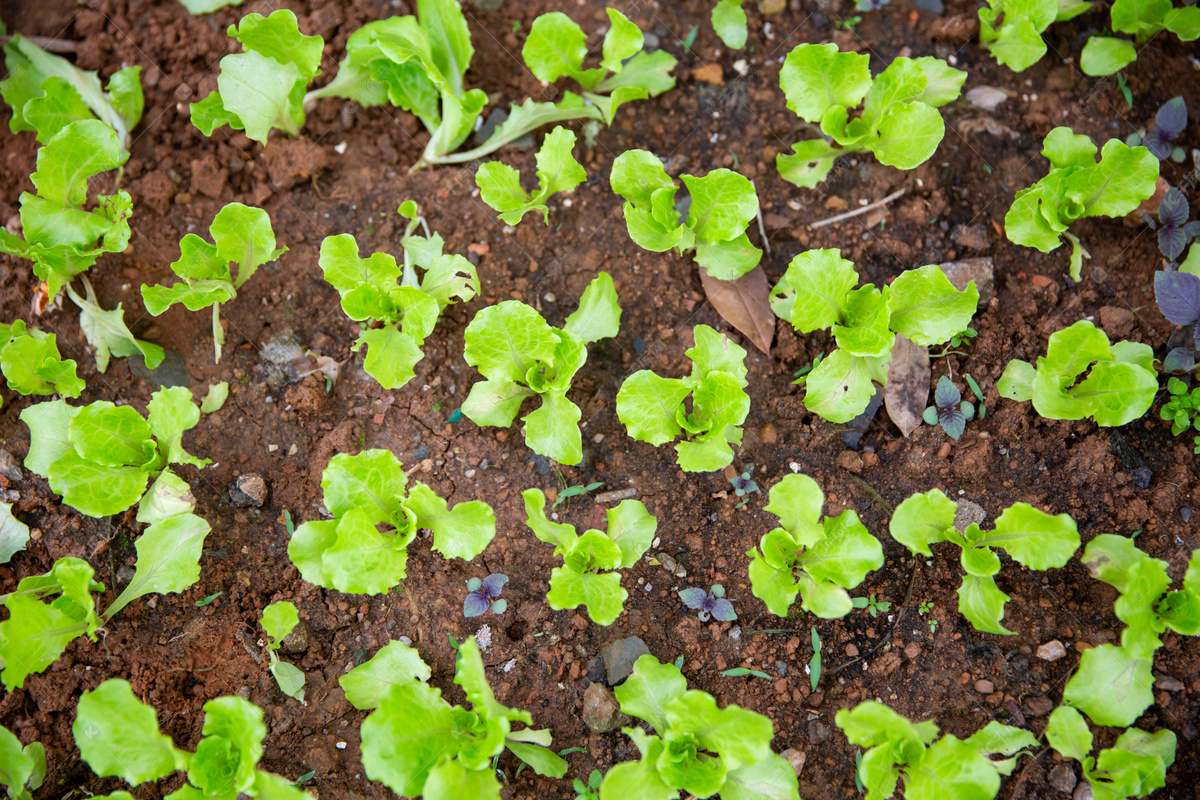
(1119, 388)
(363, 549)
(521, 355)
(899, 122)
(1113, 684)
(22, 769)
(653, 409)
(47, 93)
(949, 409)
(1182, 409)
(1078, 187)
(111, 453)
(729, 22)
(817, 292)
(699, 748)
(58, 234)
(408, 311)
(722, 205)
(575, 491)
(818, 559)
(1134, 766)
(898, 748)
(242, 235)
(814, 663)
(418, 745)
(1012, 29)
(876, 607)
(278, 620)
(107, 332)
(583, 578)
(118, 736)
(589, 790)
(1104, 55)
(32, 364)
(1031, 537)
(558, 171)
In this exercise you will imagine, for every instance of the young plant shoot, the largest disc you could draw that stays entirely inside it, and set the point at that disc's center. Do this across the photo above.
(1078, 187)
(31, 363)
(729, 23)
(817, 292)
(363, 549)
(1119, 388)
(107, 332)
(279, 620)
(484, 595)
(817, 559)
(1031, 537)
(110, 453)
(558, 171)
(949, 409)
(1013, 32)
(722, 205)
(408, 311)
(1169, 122)
(521, 355)
(1134, 766)
(118, 736)
(584, 579)
(1178, 296)
(1114, 683)
(899, 122)
(241, 235)
(711, 604)
(58, 234)
(653, 408)
(418, 745)
(899, 748)
(698, 748)
(1175, 232)
(47, 93)
(22, 769)
(1182, 409)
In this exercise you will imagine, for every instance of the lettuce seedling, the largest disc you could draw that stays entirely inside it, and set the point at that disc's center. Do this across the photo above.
(899, 121)
(110, 453)
(817, 292)
(58, 234)
(558, 171)
(118, 736)
(1105, 55)
(1031, 537)
(1169, 122)
(32, 364)
(278, 620)
(1114, 683)
(949, 409)
(47, 93)
(1078, 187)
(1119, 388)
(698, 748)
(418, 745)
(484, 595)
(1174, 230)
(1134, 766)
(581, 580)
(241, 235)
(363, 548)
(521, 355)
(722, 205)
(22, 769)
(729, 22)
(711, 604)
(818, 559)
(653, 409)
(899, 748)
(1012, 29)
(107, 332)
(408, 311)
(1182, 409)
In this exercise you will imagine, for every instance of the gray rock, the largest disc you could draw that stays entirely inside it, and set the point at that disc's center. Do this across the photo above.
(248, 490)
(541, 463)
(283, 358)
(9, 467)
(297, 640)
(601, 711)
(1169, 684)
(980, 270)
(619, 657)
(818, 731)
(968, 512)
(170, 373)
(1062, 777)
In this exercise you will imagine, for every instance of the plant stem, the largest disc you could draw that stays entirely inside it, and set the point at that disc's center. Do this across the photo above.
(854, 212)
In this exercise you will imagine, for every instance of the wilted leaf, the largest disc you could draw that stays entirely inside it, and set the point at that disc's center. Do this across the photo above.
(745, 304)
(908, 384)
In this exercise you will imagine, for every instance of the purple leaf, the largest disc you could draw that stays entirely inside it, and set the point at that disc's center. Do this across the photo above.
(1178, 296)
(1173, 209)
(1158, 143)
(946, 395)
(1196, 336)
(1172, 118)
(493, 585)
(1179, 359)
(954, 422)
(1192, 229)
(693, 598)
(723, 610)
(1171, 242)
(475, 605)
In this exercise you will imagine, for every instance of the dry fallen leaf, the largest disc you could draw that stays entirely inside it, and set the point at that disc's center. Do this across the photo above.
(908, 384)
(745, 304)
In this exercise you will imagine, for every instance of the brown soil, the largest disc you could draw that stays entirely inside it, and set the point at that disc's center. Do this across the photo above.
(178, 655)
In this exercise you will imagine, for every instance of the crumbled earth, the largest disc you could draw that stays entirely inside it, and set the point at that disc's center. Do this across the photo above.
(349, 171)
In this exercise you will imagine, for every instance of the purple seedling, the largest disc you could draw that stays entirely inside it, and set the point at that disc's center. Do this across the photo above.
(485, 594)
(949, 409)
(711, 604)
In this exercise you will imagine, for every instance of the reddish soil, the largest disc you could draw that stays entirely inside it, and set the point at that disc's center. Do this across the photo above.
(349, 172)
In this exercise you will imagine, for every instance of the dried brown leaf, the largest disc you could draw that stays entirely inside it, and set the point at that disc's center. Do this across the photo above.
(745, 304)
(908, 384)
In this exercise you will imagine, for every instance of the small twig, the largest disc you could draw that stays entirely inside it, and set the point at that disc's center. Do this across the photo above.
(770, 630)
(869, 489)
(762, 229)
(1018, 788)
(856, 211)
(47, 43)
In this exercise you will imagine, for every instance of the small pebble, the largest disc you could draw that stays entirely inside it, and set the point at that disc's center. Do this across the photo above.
(984, 686)
(248, 490)
(1052, 650)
